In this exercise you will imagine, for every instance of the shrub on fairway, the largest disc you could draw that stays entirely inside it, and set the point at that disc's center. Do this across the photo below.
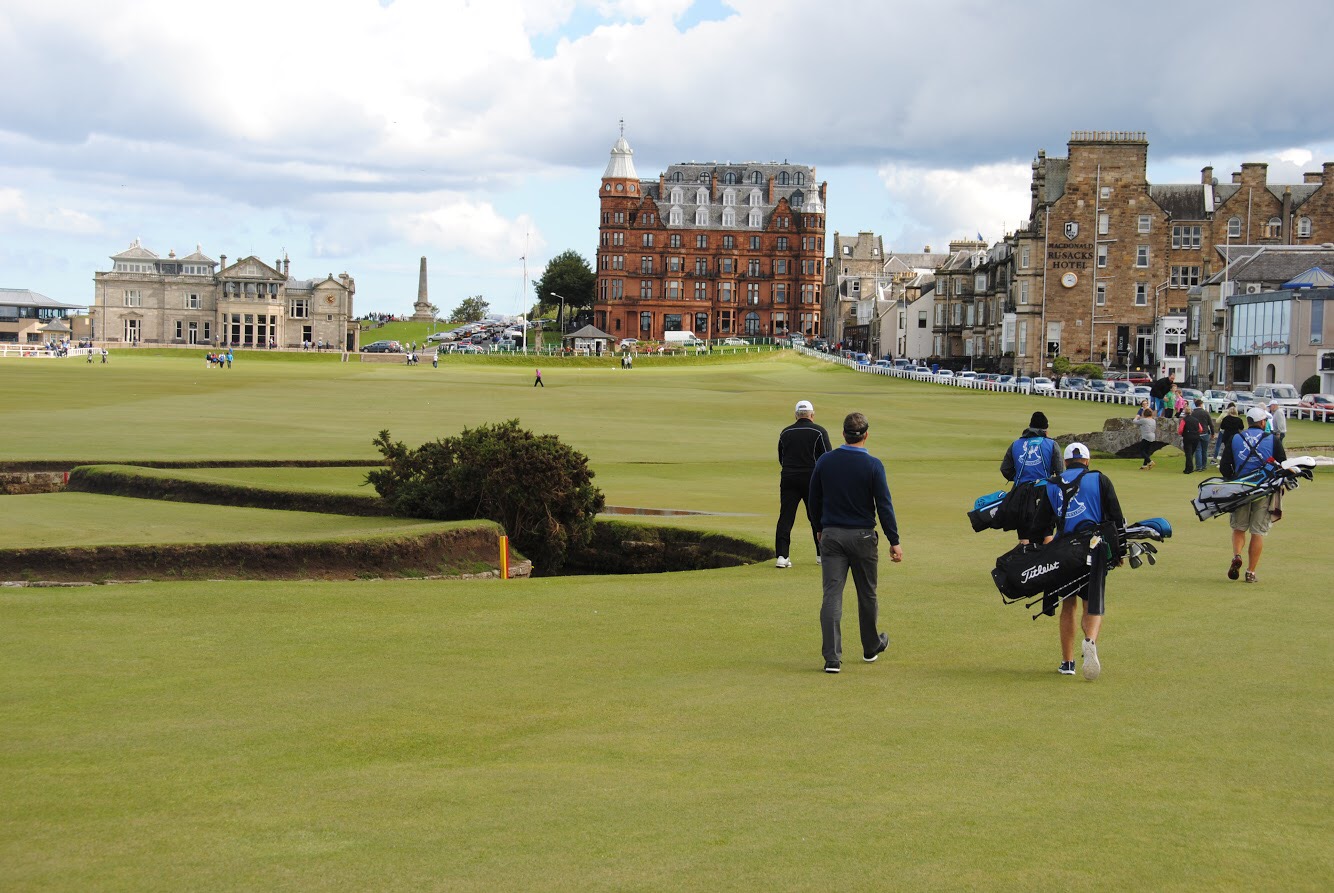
(538, 488)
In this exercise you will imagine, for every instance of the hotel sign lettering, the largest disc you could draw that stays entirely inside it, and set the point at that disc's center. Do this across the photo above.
(1070, 255)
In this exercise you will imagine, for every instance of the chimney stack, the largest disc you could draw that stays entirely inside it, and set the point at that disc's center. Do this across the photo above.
(1312, 177)
(1327, 173)
(222, 265)
(1206, 175)
(1254, 173)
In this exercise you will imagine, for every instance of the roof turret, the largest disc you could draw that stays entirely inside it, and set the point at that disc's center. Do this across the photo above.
(622, 165)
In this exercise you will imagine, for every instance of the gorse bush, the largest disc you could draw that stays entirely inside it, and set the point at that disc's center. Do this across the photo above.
(538, 488)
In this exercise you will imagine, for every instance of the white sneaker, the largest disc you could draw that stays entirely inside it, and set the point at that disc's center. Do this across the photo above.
(819, 560)
(1092, 667)
(783, 562)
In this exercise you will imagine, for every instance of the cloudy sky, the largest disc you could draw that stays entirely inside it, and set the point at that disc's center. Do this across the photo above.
(359, 135)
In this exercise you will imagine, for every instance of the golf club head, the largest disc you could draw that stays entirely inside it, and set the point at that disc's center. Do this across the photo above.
(1135, 561)
(1148, 548)
(1149, 557)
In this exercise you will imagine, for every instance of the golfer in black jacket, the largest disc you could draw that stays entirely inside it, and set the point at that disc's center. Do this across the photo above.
(800, 444)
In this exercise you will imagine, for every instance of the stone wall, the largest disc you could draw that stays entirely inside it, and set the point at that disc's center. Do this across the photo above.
(1119, 437)
(15, 483)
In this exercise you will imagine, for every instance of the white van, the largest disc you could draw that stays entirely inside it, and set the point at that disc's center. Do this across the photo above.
(681, 339)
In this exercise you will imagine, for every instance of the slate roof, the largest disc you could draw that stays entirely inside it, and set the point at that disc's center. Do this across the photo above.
(136, 251)
(1275, 265)
(1181, 201)
(800, 197)
(26, 297)
(198, 257)
(589, 331)
(1057, 171)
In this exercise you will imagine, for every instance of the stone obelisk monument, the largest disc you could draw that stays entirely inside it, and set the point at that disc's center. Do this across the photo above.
(421, 310)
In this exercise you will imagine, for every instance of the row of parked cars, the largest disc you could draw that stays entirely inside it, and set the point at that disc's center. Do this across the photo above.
(1136, 385)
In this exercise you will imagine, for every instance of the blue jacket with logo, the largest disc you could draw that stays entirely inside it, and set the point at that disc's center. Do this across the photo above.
(1032, 457)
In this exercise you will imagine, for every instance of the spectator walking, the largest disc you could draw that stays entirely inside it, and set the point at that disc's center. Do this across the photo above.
(848, 492)
(800, 445)
(537, 381)
(1251, 450)
(1200, 421)
(1148, 437)
(1230, 424)
(1278, 421)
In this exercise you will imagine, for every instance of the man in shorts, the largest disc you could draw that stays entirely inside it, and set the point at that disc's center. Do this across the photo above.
(1246, 452)
(1092, 500)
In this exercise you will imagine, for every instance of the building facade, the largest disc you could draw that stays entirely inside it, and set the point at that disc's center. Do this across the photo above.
(715, 249)
(1104, 267)
(27, 317)
(149, 299)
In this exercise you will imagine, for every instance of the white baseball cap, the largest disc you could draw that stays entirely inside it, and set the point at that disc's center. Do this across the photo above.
(1076, 450)
(805, 406)
(1257, 414)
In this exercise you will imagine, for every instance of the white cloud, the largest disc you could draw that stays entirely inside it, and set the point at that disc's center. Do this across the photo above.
(461, 224)
(938, 204)
(17, 212)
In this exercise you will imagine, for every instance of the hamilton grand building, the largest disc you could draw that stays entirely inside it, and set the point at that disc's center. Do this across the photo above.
(715, 249)
(195, 299)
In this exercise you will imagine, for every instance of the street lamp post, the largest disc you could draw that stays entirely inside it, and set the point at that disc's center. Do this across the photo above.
(560, 319)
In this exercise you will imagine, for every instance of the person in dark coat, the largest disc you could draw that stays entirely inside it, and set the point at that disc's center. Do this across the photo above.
(800, 445)
(1159, 391)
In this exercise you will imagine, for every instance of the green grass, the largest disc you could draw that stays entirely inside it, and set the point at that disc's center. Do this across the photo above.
(90, 519)
(652, 732)
(404, 331)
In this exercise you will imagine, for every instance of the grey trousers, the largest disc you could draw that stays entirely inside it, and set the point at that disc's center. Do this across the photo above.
(844, 549)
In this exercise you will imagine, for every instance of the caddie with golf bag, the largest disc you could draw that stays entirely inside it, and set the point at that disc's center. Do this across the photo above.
(1256, 474)
(1081, 505)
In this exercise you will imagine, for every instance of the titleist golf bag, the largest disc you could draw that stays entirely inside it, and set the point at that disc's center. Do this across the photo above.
(1027, 570)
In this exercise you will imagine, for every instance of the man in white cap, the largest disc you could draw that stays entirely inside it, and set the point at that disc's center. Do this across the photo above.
(1244, 453)
(1278, 421)
(1082, 497)
(799, 445)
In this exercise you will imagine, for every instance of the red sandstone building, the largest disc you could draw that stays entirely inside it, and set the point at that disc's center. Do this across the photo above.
(715, 249)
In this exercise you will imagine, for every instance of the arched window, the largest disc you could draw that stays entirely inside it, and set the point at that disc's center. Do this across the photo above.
(1274, 228)
(701, 217)
(730, 178)
(676, 176)
(782, 178)
(674, 217)
(755, 218)
(801, 179)
(754, 197)
(729, 197)
(704, 176)
(798, 198)
(729, 217)
(701, 196)
(1234, 227)
(752, 323)
(1303, 227)
(678, 197)
(756, 178)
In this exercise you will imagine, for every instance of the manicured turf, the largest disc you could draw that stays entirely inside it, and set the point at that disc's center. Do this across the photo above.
(654, 732)
(89, 519)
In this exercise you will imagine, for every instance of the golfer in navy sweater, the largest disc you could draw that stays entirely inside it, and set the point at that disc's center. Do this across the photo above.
(848, 490)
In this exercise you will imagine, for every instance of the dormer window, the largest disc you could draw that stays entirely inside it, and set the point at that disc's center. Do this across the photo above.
(756, 178)
(730, 178)
(674, 217)
(801, 179)
(754, 197)
(729, 217)
(701, 217)
(729, 197)
(782, 178)
(755, 219)
(678, 196)
(701, 196)
(704, 176)
(676, 176)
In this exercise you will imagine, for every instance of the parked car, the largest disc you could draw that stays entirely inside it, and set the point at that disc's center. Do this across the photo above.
(1141, 392)
(1191, 395)
(630, 343)
(1215, 401)
(1044, 384)
(1244, 400)
(1320, 406)
(1004, 379)
(882, 363)
(735, 342)
(945, 375)
(1024, 381)
(1282, 394)
(966, 375)
(1139, 378)
(1119, 386)
(467, 348)
(1097, 385)
(382, 347)
(1074, 383)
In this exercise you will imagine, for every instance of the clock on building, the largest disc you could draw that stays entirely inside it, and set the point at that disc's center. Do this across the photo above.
(1069, 280)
